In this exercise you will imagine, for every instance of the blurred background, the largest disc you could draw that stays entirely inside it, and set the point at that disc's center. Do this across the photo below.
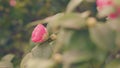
(15, 15)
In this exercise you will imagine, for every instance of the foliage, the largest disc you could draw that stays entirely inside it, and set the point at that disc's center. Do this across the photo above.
(78, 38)
(14, 33)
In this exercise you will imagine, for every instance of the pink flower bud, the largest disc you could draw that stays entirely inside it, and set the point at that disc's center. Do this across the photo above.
(104, 4)
(39, 34)
(118, 10)
(113, 15)
(12, 3)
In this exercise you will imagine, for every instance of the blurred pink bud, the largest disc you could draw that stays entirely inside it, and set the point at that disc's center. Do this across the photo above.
(118, 10)
(113, 15)
(12, 3)
(102, 4)
(39, 34)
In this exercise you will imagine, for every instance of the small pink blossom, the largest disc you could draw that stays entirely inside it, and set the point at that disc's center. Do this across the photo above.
(39, 34)
(118, 10)
(12, 3)
(103, 4)
(113, 15)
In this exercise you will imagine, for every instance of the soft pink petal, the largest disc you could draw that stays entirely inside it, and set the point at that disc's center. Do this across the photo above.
(38, 33)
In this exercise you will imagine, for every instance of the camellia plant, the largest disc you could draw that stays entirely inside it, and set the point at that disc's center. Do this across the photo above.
(77, 39)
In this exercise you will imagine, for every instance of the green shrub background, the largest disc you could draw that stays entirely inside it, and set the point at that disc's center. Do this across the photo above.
(14, 35)
(15, 29)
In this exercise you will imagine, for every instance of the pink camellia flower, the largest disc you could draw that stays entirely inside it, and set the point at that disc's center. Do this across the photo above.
(12, 3)
(105, 4)
(39, 34)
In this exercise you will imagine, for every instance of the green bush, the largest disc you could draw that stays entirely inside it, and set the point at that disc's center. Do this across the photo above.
(78, 36)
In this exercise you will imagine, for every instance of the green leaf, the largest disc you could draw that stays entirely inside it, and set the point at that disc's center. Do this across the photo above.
(103, 36)
(40, 63)
(43, 50)
(74, 20)
(82, 65)
(46, 20)
(99, 58)
(35, 23)
(25, 60)
(114, 24)
(113, 64)
(118, 39)
(30, 61)
(76, 56)
(53, 23)
(71, 20)
(8, 57)
(80, 40)
(76, 46)
(5, 64)
(6, 61)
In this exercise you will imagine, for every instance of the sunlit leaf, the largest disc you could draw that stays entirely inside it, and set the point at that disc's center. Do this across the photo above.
(4, 64)
(40, 63)
(6, 61)
(25, 60)
(8, 57)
